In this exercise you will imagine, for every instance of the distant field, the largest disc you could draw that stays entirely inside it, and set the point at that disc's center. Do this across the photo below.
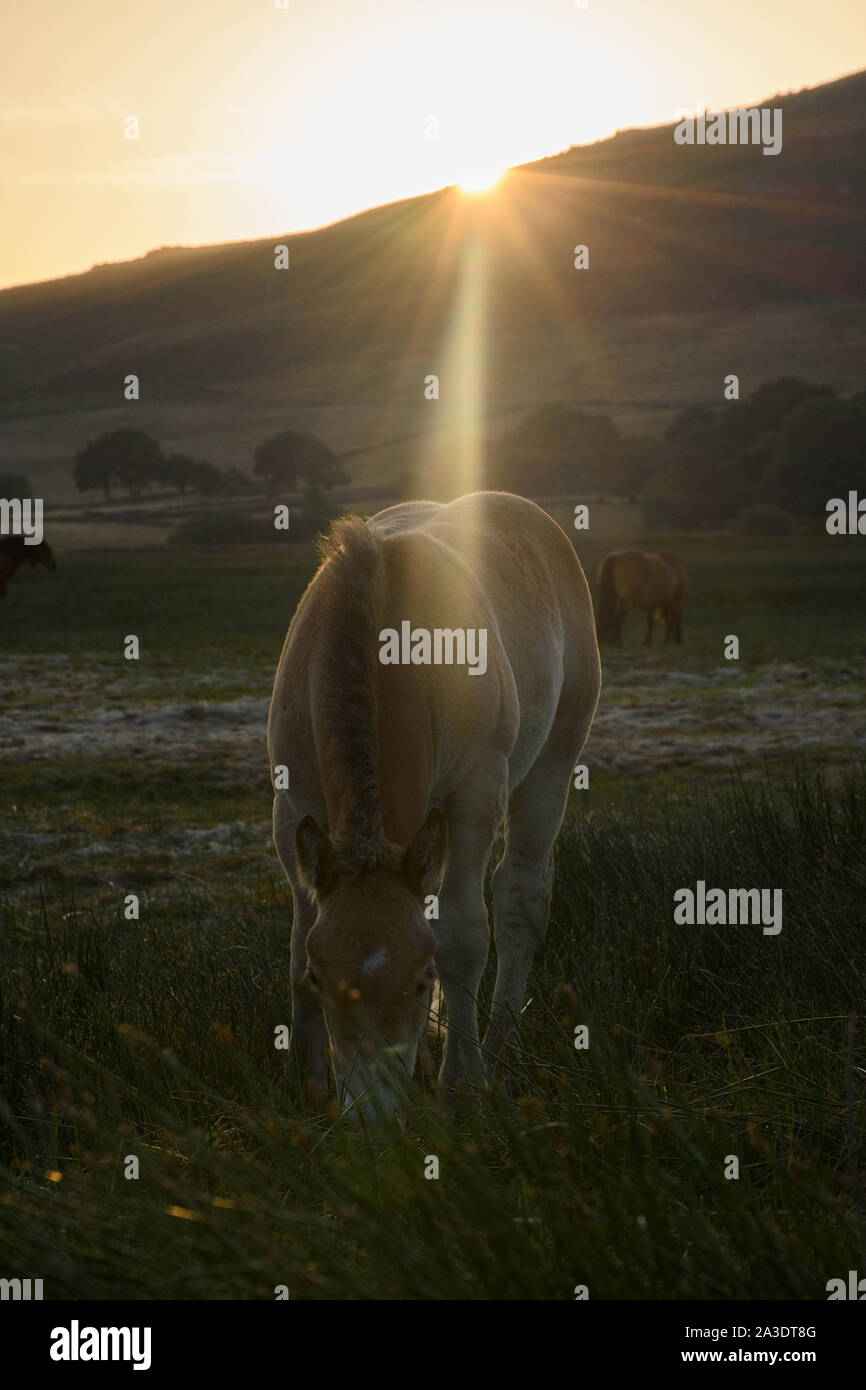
(643, 368)
(604, 1167)
(139, 759)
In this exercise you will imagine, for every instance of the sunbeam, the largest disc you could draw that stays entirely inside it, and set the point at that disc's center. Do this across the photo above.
(463, 375)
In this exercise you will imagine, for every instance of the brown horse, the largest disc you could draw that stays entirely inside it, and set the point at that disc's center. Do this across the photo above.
(630, 579)
(438, 681)
(14, 552)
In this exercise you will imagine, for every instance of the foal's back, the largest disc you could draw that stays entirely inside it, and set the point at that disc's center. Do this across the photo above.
(497, 560)
(503, 554)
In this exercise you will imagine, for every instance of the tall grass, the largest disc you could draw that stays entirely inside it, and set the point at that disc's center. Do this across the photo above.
(601, 1167)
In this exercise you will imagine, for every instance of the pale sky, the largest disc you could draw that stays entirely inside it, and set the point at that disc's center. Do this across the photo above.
(256, 120)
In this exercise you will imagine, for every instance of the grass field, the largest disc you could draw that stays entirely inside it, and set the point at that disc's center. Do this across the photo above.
(602, 1167)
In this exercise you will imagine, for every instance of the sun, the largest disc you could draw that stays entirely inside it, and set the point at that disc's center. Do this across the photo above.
(478, 178)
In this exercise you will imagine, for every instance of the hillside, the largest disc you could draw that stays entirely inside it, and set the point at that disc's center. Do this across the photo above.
(703, 261)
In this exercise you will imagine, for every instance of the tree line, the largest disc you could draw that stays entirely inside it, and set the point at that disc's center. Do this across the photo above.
(762, 462)
(779, 454)
(288, 462)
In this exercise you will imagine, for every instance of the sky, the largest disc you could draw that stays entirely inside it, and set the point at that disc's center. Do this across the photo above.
(256, 120)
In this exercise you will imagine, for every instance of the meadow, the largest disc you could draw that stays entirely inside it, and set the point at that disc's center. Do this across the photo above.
(602, 1167)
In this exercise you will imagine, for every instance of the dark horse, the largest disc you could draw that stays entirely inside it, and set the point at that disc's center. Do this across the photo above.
(635, 579)
(14, 552)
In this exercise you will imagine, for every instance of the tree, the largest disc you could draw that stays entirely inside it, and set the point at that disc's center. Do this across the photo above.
(819, 454)
(207, 478)
(559, 447)
(15, 485)
(128, 457)
(289, 459)
(708, 481)
(178, 471)
(182, 472)
(237, 483)
(316, 514)
(769, 406)
(692, 426)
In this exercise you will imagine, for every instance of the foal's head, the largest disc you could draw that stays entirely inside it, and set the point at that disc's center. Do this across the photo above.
(370, 957)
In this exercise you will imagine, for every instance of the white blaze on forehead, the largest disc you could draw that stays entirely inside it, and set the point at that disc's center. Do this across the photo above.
(375, 961)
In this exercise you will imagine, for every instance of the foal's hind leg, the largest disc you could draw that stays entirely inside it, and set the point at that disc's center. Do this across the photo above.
(522, 884)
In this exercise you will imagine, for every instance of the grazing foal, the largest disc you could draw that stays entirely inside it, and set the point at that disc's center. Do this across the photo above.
(628, 579)
(437, 683)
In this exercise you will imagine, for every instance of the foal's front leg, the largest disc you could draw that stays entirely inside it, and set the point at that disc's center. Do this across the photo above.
(463, 928)
(308, 1045)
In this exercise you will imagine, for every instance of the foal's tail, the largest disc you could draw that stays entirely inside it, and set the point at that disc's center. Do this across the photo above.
(351, 540)
(606, 619)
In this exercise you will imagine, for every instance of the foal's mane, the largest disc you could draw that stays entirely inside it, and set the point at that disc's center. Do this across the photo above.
(348, 645)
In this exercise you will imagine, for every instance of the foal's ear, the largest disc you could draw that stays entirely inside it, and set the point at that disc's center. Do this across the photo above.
(424, 860)
(315, 855)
